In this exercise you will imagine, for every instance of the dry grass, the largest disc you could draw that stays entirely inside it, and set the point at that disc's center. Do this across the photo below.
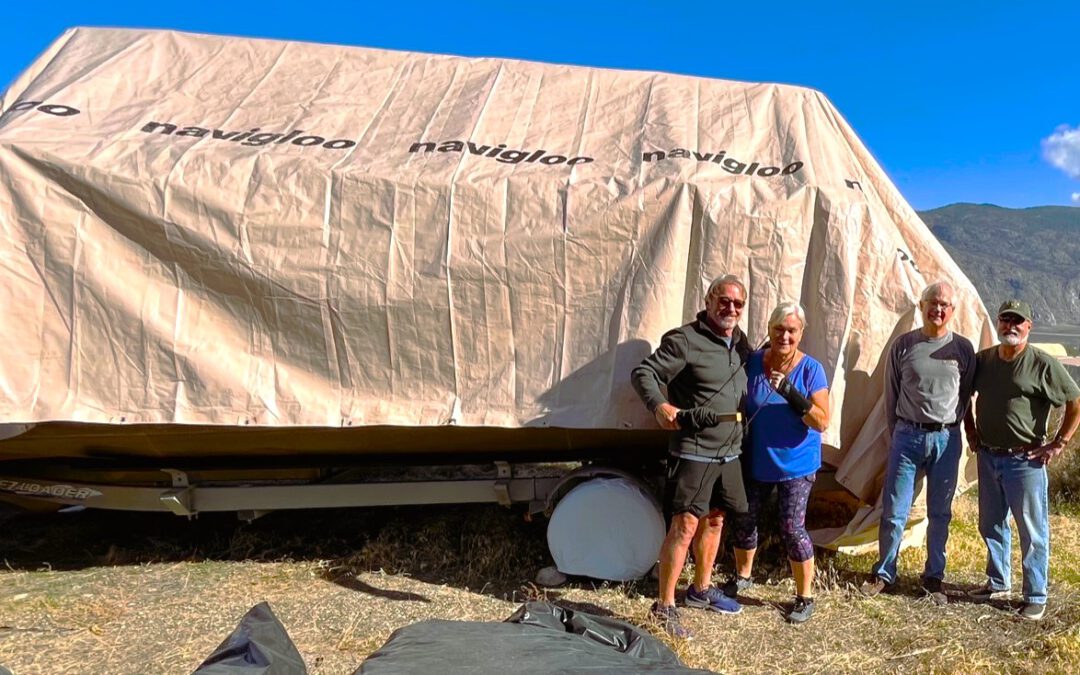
(98, 592)
(1065, 478)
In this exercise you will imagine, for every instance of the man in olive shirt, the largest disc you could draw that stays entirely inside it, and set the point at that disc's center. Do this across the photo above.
(1016, 386)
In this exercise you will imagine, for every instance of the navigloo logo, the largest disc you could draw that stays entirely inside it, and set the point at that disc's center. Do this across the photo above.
(56, 109)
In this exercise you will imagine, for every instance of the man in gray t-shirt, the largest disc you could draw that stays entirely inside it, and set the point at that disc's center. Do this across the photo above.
(928, 381)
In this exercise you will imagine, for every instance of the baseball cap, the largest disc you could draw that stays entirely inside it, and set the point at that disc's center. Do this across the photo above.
(1017, 307)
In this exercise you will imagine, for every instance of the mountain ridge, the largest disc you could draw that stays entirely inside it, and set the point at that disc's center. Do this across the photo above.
(1031, 253)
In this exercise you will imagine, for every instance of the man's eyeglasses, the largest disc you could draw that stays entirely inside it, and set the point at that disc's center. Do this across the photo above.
(1011, 319)
(731, 302)
(942, 306)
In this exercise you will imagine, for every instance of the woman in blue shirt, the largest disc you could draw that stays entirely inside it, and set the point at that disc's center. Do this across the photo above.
(787, 404)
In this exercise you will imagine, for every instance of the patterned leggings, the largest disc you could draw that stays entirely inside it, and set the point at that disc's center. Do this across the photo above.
(793, 496)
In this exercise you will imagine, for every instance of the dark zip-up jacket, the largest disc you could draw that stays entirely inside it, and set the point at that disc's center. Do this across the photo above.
(698, 369)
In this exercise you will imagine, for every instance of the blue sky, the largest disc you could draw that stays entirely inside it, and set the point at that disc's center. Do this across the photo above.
(959, 101)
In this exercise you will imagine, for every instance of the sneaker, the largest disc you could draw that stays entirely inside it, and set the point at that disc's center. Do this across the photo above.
(736, 585)
(932, 587)
(1032, 611)
(875, 585)
(802, 610)
(668, 618)
(986, 593)
(711, 599)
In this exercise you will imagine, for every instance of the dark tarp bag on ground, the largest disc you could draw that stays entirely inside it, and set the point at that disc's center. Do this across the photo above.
(537, 638)
(260, 645)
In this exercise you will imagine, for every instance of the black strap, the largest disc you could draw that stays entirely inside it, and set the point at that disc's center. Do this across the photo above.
(696, 419)
(794, 397)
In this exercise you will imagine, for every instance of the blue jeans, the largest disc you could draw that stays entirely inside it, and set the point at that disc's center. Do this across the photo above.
(1014, 484)
(916, 453)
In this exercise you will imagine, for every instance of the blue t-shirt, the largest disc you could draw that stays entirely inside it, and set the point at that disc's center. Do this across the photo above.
(782, 447)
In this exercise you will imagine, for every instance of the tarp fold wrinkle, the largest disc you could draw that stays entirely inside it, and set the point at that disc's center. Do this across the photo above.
(618, 635)
(260, 645)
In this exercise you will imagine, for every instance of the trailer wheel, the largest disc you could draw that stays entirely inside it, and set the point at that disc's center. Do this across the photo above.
(606, 527)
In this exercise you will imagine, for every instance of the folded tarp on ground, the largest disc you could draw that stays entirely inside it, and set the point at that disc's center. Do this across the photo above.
(260, 645)
(538, 638)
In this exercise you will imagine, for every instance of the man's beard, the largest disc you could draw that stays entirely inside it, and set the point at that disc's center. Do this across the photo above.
(727, 322)
(1011, 339)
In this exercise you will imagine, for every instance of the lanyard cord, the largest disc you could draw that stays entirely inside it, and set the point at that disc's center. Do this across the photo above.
(731, 434)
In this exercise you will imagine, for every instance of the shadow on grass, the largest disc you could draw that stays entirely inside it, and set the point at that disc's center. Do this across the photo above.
(484, 548)
(354, 584)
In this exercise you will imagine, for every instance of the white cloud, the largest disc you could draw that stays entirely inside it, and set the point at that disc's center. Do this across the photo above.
(1062, 150)
(1076, 197)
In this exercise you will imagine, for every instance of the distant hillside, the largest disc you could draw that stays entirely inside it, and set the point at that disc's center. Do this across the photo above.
(1032, 254)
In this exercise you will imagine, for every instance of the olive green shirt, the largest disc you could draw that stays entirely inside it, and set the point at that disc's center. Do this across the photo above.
(1015, 397)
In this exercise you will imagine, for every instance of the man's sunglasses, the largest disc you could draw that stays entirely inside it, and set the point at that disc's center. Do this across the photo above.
(726, 302)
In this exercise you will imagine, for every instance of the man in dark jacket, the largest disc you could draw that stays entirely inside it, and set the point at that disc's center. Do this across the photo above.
(701, 367)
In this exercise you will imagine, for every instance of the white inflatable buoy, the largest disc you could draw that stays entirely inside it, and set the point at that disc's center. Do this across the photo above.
(606, 528)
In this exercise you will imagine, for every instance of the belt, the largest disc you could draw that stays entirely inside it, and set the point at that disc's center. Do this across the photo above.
(1008, 452)
(931, 426)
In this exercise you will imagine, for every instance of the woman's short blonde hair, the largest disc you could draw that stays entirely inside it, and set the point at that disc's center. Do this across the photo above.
(784, 310)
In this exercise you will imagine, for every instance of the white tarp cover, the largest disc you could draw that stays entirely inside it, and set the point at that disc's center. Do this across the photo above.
(606, 528)
(213, 230)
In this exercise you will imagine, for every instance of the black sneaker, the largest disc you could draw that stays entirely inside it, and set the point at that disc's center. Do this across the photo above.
(736, 585)
(802, 611)
(1032, 611)
(668, 618)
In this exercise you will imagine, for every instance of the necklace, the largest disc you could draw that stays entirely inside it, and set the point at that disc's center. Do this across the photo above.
(784, 366)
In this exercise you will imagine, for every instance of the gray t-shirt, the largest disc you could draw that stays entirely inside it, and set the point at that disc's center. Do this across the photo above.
(929, 380)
